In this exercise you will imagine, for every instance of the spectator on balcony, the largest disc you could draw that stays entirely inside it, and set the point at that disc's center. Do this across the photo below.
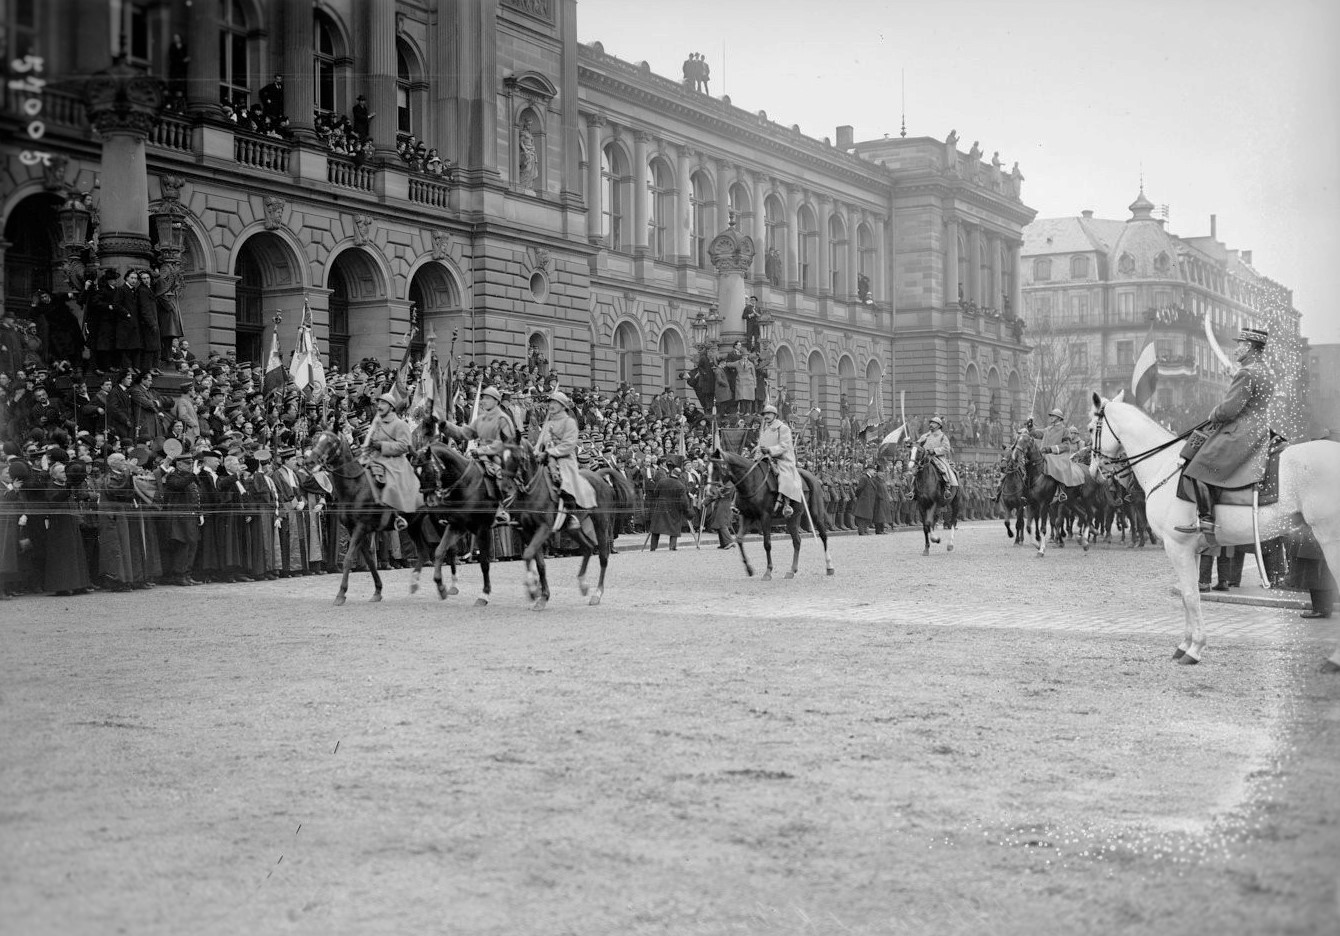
(434, 164)
(272, 100)
(362, 119)
(366, 153)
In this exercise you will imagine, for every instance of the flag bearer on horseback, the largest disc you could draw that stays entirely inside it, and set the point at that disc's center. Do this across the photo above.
(386, 449)
(938, 449)
(776, 446)
(1235, 451)
(557, 445)
(488, 432)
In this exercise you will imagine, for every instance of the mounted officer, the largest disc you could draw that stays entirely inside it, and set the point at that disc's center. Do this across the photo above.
(484, 438)
(387, 448)
(938, 449)
(1236, 448)
(776, 446)
(557, 445)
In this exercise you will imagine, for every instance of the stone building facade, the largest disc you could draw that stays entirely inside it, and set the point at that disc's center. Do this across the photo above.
(1095, 290)
(579, 195)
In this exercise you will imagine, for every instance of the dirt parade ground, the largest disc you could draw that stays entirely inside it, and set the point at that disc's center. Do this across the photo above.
(977, 742)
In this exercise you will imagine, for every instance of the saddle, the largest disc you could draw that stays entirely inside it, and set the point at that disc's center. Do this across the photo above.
(1268, 486)
(377, 473)
(1064, 471)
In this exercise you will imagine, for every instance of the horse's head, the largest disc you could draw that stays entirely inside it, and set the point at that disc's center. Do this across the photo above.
(1106, 443)
(518, 462)
(326, 445)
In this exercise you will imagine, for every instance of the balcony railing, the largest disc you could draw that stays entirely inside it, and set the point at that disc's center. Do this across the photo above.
(172, 133)
(260, 153)
(348, 174)
(429, 192)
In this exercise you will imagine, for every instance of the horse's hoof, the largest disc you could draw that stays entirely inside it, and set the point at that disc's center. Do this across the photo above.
(935, 540)
(1329, 666)
(583, 588)
(441, 593)
(767, 576)
(949, 548)
(339, 600)
(1188, 660)
(595, 600)
(831, 572)
(376, 597)
(1039, 555)
(539, 604)
(480, 602)
(1178, 653)
(453, 590)
(413, 587)
(748, 571)
(790, 575)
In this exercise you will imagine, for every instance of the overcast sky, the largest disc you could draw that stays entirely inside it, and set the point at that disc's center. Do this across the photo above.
(1232, 107)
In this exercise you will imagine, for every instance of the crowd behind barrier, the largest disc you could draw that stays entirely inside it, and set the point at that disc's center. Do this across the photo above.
(96, 495)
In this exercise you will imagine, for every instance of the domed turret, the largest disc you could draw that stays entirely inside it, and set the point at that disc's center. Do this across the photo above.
(1142, 209)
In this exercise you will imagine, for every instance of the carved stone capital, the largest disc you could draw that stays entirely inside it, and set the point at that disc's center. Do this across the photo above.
(123, 100)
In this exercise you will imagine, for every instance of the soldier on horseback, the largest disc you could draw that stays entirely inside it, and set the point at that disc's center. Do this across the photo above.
(1235, 451)
(488, 432)
(1055, 440)
(386, 448)
(936, 446)
(776, 446)
(557, 445)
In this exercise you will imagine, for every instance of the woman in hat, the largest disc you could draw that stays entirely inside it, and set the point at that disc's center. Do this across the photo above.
(1235, 450)
(557, 445)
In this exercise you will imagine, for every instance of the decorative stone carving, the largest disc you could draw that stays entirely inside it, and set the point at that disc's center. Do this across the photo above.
(123, 99)
(541, 259)
(732, 251)
(441, 245)
(53, 174)
(537, 8)
(171, 186)
(274, 212)
(362, 225)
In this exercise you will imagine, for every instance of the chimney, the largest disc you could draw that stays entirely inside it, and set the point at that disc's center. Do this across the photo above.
(1247, 257)
(1213, 226)
(844, 137)
(1088, 214)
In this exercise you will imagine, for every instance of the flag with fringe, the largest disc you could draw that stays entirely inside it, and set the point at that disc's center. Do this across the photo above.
(306, 369)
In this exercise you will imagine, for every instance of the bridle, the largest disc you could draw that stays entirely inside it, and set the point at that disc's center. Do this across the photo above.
(1126, 463)
(325, 445)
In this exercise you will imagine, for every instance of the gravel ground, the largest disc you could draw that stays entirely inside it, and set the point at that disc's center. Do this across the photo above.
(976, 742)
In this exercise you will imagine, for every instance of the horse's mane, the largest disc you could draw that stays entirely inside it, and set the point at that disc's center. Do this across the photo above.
(1139, 414)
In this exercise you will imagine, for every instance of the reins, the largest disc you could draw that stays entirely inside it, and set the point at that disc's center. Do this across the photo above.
(1128, 462)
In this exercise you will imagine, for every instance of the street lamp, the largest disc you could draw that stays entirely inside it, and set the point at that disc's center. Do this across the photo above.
(74, 219)
(698, 325)
(714, 324)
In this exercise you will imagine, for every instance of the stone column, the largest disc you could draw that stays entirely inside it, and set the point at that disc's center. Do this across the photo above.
(594, 189)
(792, 236)
(974, 264)
(123, 105)
(853, 253)
(640, 193)
(881, 264)
(951, 261)
(1016, 294)
(683, 208)
(732, 254)
(994, 243)
(825, 273)
(299, 76)
(759, 227)
(379, 21)
(202, 72)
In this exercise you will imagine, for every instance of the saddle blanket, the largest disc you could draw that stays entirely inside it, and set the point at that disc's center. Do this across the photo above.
(1242, 497)
(1061, 468)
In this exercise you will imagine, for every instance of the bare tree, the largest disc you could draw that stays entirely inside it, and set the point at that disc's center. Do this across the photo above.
(1056, 372)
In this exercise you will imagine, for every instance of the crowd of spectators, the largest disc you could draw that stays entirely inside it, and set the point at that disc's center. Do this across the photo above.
(127, 468)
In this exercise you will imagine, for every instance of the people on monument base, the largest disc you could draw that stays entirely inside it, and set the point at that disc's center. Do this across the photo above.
(1237, 445)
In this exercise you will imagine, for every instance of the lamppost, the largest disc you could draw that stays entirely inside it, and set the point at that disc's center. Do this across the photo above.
(714, 321)
(765, 326)
(74, 220)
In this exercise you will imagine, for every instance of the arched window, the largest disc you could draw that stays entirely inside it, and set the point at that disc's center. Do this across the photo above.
(874, 390)
(774, 223)
(234, 56)
(837, 254)
(1042, 270)
(338, 342)
(865, 246)
(1006, 277)
(324, 63)
(411, 90)
(972, 404)
(738, 201)
(614, 178)
(628, 350)
(672, 359)
(661, 191)
(806, 235)
(786, 369)
(847, 385)
(31, 259)
(404, 114)
(817, 373)
(1079, 267)
(700, 233)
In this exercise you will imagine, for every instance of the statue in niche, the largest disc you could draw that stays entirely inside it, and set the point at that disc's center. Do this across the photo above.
(772, 266)
(528, 163)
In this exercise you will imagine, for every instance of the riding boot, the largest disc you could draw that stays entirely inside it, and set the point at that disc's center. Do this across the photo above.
(1204, 511)
(1223, 571)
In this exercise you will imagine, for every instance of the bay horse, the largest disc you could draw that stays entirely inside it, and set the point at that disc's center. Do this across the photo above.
(756, 496)
(456, 491)
(1014, 495)
(1309, 477)
(536, 509)
(354, 502)
(1039, 490)
(928, 490)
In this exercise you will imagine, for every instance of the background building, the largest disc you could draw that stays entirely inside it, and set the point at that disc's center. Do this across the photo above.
(1324, 388)
(569, 214)
(1096, 290)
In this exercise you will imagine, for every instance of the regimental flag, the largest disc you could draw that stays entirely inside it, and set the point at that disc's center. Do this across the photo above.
(891, 446)
(874, 415)
(306, 370)
(423, 400)
(274, 367)
(1145, 376)
(400, 389)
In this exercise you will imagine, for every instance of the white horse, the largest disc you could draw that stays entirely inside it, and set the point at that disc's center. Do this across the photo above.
(1309, 496)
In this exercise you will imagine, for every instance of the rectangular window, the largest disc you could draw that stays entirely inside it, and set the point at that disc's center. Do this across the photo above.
(1164, 346)
(1079, 309)
(325, 86)
(137, 34)
(1125, 353)
(1162, 299)
(1126, 307)
(1079, 356)
(404, 121)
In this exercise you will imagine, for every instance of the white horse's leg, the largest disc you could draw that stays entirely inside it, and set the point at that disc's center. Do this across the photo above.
(1181, 550)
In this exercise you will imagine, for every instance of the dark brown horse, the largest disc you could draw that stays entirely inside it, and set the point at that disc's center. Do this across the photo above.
(932, 497)
(756, 496)
(355, 504)
(1013, 495)
(456, 492)
(535, 509)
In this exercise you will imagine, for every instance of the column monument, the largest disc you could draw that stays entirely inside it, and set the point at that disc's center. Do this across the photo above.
(732, 255)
